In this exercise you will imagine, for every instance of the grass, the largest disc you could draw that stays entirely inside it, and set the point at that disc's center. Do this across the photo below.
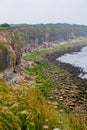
(45, 84)
(25, 109)
(38, 54)
(28, 107)
(42, 80)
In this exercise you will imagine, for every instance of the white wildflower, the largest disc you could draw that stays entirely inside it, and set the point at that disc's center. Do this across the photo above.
(56, 129)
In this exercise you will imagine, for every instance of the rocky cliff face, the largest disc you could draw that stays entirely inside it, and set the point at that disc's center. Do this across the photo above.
(33, 35)
(26, 37)
(10, 50)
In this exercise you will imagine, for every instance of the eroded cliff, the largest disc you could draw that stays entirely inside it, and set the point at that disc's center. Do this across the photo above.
(10, 49)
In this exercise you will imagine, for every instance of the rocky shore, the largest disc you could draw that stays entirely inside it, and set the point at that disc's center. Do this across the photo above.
(71, 90)
(75, 71)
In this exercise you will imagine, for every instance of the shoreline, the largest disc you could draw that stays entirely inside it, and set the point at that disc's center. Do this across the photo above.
(59, 82)
(75, 71)
(72, 90)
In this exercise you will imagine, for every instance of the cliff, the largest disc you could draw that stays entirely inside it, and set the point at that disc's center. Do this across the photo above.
(10, 49)
(18, 38)
(33, 35)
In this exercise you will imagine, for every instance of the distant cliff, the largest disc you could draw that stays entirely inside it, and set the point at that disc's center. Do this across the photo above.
(33, 35)
(18, 38)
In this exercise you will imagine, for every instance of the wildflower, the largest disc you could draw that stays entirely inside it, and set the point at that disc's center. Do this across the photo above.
(45, 127)
(56, 129)
(46, 120)
(55, 107)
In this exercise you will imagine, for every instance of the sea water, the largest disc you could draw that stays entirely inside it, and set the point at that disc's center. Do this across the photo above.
(78, 59)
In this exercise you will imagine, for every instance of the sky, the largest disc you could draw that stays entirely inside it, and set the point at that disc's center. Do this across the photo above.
(43, 11)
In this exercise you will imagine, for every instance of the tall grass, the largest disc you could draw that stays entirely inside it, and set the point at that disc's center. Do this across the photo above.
(27, 109)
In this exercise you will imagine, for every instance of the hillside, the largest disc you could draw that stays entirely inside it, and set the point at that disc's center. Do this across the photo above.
(36, 92)
(41, 105)
(15, 39)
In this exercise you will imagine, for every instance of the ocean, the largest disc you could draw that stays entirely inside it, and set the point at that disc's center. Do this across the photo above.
(78, 59)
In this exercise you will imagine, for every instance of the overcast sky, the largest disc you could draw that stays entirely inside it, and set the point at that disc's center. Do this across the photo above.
(43, 11)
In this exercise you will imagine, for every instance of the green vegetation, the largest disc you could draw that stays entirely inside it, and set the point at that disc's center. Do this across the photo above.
(4, 25)
(39, 54)
(28, 107)
(25, 109)
(43, 81)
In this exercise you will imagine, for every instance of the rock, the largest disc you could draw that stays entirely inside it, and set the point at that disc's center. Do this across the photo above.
(61, 111)
(8, 76)
(55, 103)
(10, 50)
(28, 77)
(80, 102)
(68, 88)
(61, 98)
(51, 98)
(71, 107)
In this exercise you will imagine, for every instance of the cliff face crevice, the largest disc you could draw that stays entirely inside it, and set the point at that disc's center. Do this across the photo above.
(10, 50)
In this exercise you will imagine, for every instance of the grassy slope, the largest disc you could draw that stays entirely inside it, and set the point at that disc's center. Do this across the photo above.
(28, 109)
(46, 84)
(25, 109)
